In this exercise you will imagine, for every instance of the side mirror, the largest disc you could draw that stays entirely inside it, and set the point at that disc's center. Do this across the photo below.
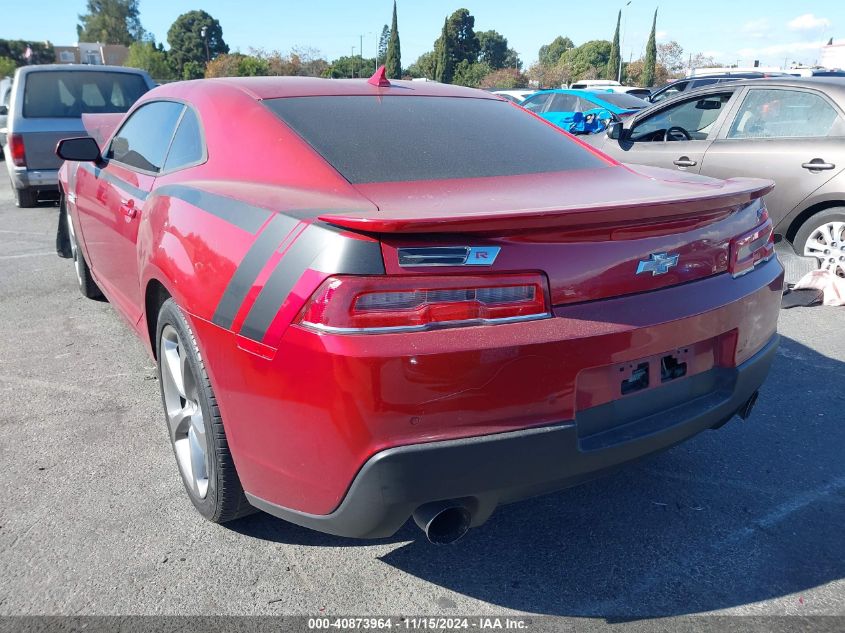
(4, 110)
(614, 130)
(83, 148)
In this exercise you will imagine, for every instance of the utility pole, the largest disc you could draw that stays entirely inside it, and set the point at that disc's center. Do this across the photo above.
(352, 61)
(361, 54)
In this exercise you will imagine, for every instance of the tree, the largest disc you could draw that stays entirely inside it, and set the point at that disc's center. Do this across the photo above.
(615, 62)
(237, 65)
(187, 43)
(193, 70)
(551, 76)
(42, 52)
(634, 73)
(147, 56)
(393, 59)
(504, 79)
(443, 56)
(493, 49)
(7, 66)
(351, 65)
(470, 73)
(589, 61)
(671, 56)
(551, 54)
(650, 61)
(382, 44)
(464, 44)
(111, 22)
(423, 67)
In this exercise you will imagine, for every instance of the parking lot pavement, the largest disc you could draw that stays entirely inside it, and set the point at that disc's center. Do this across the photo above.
(93, 520)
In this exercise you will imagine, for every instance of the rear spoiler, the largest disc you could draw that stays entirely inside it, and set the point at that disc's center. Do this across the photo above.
(101, 126)
(734, 194)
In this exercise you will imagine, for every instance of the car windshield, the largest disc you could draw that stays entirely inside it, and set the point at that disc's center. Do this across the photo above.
(69, 94)
(622, 100)
(403, 138)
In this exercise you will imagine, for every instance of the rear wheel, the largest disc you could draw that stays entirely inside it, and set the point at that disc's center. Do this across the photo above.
(25, 198)
(194, 423)
(823, 236)
(87, 286)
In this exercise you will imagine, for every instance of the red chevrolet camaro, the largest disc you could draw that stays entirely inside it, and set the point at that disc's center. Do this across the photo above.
(369, 300)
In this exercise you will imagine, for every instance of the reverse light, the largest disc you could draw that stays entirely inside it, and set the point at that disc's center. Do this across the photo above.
(367, 305)
(16, 149)
(753, 248)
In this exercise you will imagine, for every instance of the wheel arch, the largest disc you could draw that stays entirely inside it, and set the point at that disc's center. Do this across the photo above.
(155, 294)
(806, 214)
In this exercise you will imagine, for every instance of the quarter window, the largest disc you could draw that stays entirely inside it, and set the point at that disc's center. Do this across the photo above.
(143, 140)
(187, 146)
(785, 114)
(538, 103)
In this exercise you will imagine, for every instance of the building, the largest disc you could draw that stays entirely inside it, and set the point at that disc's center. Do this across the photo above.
(833, 55)
(92, 53)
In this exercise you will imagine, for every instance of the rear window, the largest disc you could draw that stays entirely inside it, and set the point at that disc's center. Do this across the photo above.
(68, 94)
(622, 100)
(391, 138)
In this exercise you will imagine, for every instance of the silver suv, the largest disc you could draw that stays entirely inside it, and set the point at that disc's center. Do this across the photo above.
(47, 104)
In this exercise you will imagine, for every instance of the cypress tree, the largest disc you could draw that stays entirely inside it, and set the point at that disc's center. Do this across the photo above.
(615, 54)
(393, 62)
(443, 66)
(650, 62)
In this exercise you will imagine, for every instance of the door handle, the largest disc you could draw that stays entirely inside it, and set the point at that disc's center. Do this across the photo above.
(128, 208)
(684, 161)
(818, 164)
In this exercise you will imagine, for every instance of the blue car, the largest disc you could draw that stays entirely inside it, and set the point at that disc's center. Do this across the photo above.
(560, 106)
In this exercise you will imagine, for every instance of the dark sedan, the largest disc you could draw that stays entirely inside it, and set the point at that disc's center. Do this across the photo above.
(791, 130)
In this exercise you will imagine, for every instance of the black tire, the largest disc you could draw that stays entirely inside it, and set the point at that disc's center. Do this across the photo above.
(25, 198)
(224, 500)
(811, 224)
(87, 286)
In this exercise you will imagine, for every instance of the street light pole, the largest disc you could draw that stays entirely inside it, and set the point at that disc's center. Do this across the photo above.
(352, 61)
(204, 33)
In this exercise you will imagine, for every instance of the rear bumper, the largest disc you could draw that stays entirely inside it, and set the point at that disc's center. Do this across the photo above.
(493, 469)
(41, 179)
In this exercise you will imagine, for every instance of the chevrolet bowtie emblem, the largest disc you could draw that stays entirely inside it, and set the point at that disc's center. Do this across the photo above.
(657, 263)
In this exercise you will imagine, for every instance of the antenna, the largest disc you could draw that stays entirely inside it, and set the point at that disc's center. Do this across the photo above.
(379, 78)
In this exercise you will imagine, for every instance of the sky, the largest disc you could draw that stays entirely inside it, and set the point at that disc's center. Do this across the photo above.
(732, 31)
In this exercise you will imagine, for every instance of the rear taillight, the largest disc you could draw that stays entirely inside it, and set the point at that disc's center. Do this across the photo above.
(753, 248)
(395, 304)
(17, 151)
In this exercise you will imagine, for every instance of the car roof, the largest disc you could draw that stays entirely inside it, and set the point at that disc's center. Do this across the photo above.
(79, 68)
(832, 84)
(278, 87)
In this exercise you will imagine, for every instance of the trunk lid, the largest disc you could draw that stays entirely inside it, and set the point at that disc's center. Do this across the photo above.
(588, 231)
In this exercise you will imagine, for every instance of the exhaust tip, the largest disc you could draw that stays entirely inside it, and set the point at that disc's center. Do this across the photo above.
(443, 522)
(745, 410)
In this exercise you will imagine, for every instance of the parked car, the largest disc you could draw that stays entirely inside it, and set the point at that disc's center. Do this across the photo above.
(815, 72)
(47, 103)
(5, 94)
(517, 96)
(699, 81)
(592, 84)
(560, 106)
(361, 309)
(789, 129)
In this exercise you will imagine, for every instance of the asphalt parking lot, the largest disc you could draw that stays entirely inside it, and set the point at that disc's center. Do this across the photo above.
(747, 520)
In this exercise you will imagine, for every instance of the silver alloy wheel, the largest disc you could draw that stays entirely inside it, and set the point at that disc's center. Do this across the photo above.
(184, 413)
(827, 244)
(74, 247)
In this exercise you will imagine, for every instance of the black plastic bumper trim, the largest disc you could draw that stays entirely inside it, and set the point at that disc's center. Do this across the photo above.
(490, 470)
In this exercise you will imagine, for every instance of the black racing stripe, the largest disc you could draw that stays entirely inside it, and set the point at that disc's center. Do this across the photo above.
(243, 215)
(249, 268)
(282, 280)
(117, 182)
(319, 248)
